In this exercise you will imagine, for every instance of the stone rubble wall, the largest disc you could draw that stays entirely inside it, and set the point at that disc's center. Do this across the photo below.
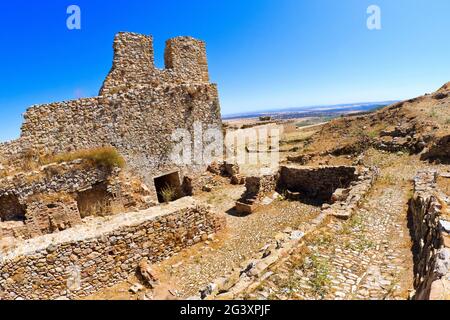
(54, 178)
(81, 261)
(11, 150)
(259, 187)
(431, 236)
(439, 151)
(316, 182)
(138, 124)
(45, 200)
(346, 200)
(343, 187)
(45, 217)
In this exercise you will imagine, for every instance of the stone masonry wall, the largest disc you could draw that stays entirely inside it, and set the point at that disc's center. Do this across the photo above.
(430, 229)
(259, 187)
(137, 113)
(54, 178)
(45, 200)
(133, 65)
(320, 182)
(138, 125)
(80, 261)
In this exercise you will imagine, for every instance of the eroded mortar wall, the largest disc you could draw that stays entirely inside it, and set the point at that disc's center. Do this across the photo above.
(133, 65)
(138, 125)
(139, 109)
(85, 259)
(432, 253)
(48, 199)
(320, 182)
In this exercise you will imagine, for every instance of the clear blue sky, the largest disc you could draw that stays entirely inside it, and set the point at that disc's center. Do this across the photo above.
(262, 53)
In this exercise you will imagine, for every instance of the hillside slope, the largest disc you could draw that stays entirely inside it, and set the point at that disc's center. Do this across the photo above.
(420, 125)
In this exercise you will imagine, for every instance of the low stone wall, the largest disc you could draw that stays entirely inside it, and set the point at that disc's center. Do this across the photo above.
(316, 182)
(133, 65)
(346, 200)
(340, 188)
(257, 189)
(431, 233)
(87, 258)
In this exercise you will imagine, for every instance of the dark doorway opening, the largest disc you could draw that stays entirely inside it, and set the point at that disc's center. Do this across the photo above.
(11, 209)
(95, 201)
(168, 187)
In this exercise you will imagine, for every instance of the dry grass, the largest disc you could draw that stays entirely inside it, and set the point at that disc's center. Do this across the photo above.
(102, 156)
(33, 159)
(169, 193)
(101, 208)
(52, 197)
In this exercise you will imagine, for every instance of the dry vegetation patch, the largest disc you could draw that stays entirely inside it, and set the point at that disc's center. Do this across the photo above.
(101, 156)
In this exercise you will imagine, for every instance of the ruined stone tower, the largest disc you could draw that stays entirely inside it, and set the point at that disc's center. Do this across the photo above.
(133, 65)
(138, 109)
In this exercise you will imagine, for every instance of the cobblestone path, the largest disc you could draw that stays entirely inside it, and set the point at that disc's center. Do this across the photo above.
(366, 257)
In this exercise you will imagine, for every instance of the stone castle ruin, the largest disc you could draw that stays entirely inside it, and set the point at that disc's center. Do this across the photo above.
(137, 111)
(85, 176)
(90, 192)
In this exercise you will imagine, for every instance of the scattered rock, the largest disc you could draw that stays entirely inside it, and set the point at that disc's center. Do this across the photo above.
(148, 274)
(137, 287)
